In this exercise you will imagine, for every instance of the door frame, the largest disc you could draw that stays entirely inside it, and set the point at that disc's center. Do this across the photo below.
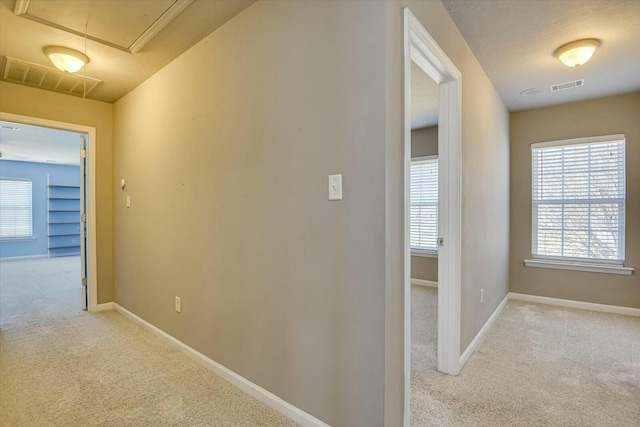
(92, 260)
(422, 49)
(83, 221)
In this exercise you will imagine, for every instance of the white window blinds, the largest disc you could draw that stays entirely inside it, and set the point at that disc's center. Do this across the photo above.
(579, 199)
(15, 208)
(424, 204)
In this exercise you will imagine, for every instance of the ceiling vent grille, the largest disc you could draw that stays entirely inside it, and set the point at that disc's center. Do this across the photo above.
(36, 75)
(567, 85)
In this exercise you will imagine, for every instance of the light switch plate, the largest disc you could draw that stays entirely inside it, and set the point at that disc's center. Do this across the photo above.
(335, 187)
(128, 201)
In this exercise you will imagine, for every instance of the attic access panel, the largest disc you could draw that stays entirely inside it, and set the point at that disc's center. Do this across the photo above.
(125, 25)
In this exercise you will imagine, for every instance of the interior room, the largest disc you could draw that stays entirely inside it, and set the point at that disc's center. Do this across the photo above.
(254, 255)
(423, 218)
(40, 265)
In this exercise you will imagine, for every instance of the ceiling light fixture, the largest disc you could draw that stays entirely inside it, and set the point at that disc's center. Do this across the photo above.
(66, 59)
(576, 53)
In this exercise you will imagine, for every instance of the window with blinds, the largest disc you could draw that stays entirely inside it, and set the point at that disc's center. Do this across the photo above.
(15, 209)
(424, 205)
(579, 199)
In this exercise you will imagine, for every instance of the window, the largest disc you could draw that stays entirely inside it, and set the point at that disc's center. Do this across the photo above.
(579, 200)
(424, 205)
(15, 209)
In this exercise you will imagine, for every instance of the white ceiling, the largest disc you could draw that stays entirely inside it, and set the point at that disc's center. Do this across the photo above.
(424, 99)
(28, 143)
(111, 26)
(515, 40)
(107, 25)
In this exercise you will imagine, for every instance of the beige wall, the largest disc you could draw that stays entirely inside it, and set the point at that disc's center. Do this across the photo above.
(424, 142)
(485, 169)
(43, 104)
(604, 116)
(424, 268)
(226, 153)
(485, 188)
(229, 211)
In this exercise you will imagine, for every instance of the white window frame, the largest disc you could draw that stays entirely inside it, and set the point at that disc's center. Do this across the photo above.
(571, 263)
(424, 251)
(28, 236)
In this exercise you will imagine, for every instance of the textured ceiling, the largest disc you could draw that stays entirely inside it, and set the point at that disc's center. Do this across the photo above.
(424, 99)
(515, 40)
(108, 23)
(28, 143)
(119, 71)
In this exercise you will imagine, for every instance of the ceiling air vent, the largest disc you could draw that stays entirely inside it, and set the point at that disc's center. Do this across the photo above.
(567, 85)
(36, 75)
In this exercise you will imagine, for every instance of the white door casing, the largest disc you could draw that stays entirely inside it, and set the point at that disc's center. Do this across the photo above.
(83, 221)
(422, 49)
(90, 201)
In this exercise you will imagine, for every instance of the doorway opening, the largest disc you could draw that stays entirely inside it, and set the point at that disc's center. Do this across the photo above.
(422, 54)
(48, 245)
(423, 223)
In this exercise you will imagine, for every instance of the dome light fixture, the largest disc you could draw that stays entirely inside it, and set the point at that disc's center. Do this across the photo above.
(577, 52)
(66, 59)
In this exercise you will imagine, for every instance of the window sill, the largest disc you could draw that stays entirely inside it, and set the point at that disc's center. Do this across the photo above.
(577, 266)
(16, 239)
(424, 253)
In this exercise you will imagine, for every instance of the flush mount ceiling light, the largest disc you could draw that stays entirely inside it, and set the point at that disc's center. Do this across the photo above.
(576, 53)
(66, 59)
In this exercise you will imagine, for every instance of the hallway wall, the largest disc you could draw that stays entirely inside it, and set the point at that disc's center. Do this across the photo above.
(226, 153)
(43, 104)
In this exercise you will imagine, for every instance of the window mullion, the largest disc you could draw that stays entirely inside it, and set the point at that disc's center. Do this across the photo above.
(578, 199)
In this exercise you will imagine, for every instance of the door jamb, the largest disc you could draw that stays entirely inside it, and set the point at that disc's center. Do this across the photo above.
(92, 259)
(420, 47)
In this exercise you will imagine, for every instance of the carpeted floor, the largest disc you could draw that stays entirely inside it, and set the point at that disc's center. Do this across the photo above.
(424, 329)
(37, 289)
(61, 366)
(538, 366)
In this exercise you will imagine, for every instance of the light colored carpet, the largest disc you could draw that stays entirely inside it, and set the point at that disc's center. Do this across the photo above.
(424, 329)
(37, 289)
(538, 366)
(73, 368)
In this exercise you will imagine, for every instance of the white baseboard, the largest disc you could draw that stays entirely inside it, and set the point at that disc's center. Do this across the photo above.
(483, 332)
(103, 307)
(64, 255)
(614, 309)
(421, 282)
(265, 396)
(18, 258)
